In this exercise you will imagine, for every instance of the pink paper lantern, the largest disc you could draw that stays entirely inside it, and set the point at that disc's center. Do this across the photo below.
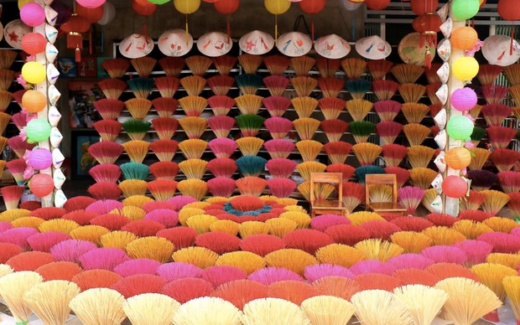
(464, 99)
(32, 14)
(454, 187)
(40, 159)
(91, 3)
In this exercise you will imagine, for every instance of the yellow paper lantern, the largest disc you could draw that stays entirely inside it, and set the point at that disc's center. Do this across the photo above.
(186, 7)
(465, 68)
(33, 72)
(22, 3)
(277, 7)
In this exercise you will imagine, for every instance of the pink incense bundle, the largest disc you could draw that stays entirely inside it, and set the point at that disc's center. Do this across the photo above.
(218, 275)
(105, 173)
(222, 167)
(17, 167)
(389, 131)
(221, 125)
(43, 242)
(184, 290)
(402, 175)
(281, 187)
(102, 258)
(501, 242)
(410, 197)
(158, 205)
(167, 86)
(334, 129)
(108, 129)
(221, 105)
(18, 236)
(410, 261)
(500, 136)
(137, 266)
(19, 146)
(165, 127)
(330, 86)
(445, 254)
(164, 170)
(394, 154)
(276, 105)
(319, 271)
(223, 147)
(387, 110)
(220, 85)
(165, 106)
(325, 221)
(222, 186)
(12, 195)
(279, 148)
(278, 127)
(109, 109)
(105, 191)
(494, 94)
(270, 275)
(21, 119)
(139, 284)
(71, 250)
(509, 181)
(177, 270)
(346, 170)
(276, 84)
(106, 152)
(81, 217)
(104, 206)
(385, 89)
(280, 167)
(476, 251)
(378, 267)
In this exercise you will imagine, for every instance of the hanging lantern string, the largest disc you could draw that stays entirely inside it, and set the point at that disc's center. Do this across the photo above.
(312, 29)
(187, 32)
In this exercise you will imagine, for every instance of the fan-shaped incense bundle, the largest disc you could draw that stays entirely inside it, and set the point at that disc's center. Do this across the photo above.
(358, 88)
(193, 168)
(222, 147)
(431, 91)
(198, 64)
(193, 187)
(165, 127)
(250, 63)
(305, 169)
(402, 175)
(251, 185)
(167, 86)
(331, 107)
(278, 127)
(422, 177)
(420, 156)
(361, 130)
(304, 85)
(494, 94)
(504, 159)
(302, 65)
(5, 99)
(193, 126)
(330, 87)
(249, 83)
(136, 150)
(327, 67)
(494, 201)
(172, 66)
(249, 104)
(385, 89)
(193, 85)
(221, 125)
(414, 113)
(411, 93)
(500, 136)
(112, 88)
(136, 129)
(277, 64)
(249, 124)
(353, 67)
(221, 105)
(220, 85)
(165, 107)
(337, 151)
(143, 66)
(309, 149)
(366, 153)
(279, 148)
(108, 129)
(98, 306)
(359, 108)
(13, 288)
(132, 170)
(106, 152)
(276, 85)
(495, 114)
(478, 158)
(280, 167)
(379, 306)
(193, 148)
(306, 127)
(249, 146)
(133, 187)
(141, 87)
(407, 73)
(222, 167)
(379, 68)
(389, 131)
(416, 133)
(304, 106)
(138, 107)
(7, 58)
(193, 105)
(334, 129)
(224, 64)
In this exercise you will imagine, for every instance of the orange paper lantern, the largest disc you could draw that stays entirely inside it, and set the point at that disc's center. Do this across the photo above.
(143, 9)
(226, 7)
(34, 101)
(458, 158)
(33, 43)
(377, 4)
(91, 15)
(464, 38)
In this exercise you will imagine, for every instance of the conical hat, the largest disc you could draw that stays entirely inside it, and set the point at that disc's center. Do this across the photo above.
(332, 47)
(294, 44)
(14, 32)
(373, 48)
(173, 43)
(214, 44)
(256, 43)
(136, 46)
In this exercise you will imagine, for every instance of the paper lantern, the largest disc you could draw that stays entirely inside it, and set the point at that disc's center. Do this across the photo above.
(428, 25)
(464, 99)
(41, 185)
(464, 38)
(109, 13)
(277, 7)
(422, 7)
(458, 158)
(74, 27)
(37, 130)
(464, 9)
(459, 127)
(186, 7)
(91, 15)
(34, 101)
(33, 72)
(40, 159)
(91, 3)
(377, 4)
(226, 7)
(158, 2)
(465, 68)
(32, 14)
(454, 187)
(33, 43)
(143, 10)
(509, 9)
(312, 7)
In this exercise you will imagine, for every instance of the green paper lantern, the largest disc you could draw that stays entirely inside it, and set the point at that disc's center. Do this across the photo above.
(158, 2)
(464, 9)
(37, 130)
(460, 127)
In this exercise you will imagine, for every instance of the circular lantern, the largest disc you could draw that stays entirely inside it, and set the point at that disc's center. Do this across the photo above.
(465, 68)
(277, 7)
(143, 10)
(377, 4)
(428, 25)
(459, 127)
(422, 7)
(465, 9)
(186, 7)
(33, 72)
(464, 38)
(91, 3)
(312, 6)
(32, 14)
(40, 159)
(226, 7)
(37, 130)
(109, 13)
(455, 187)
(158, 2)
(91, 15)
(34, 101)
(509, 9)
(464, 99)
(458, 158)
(75, 24)
(33, 43)
(41, 185)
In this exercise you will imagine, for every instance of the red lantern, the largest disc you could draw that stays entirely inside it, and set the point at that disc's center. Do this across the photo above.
(74, 27)
(454, 187)
(428, 25)
(143, 10)
(377, 4)
(422, 7)
(509, 9)
(91, 15)
(227, 7)
(33, 43)
(41, 185)
(312, 7)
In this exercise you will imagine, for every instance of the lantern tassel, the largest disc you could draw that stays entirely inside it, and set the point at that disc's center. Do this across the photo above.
(428, 59)
(77, 55)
